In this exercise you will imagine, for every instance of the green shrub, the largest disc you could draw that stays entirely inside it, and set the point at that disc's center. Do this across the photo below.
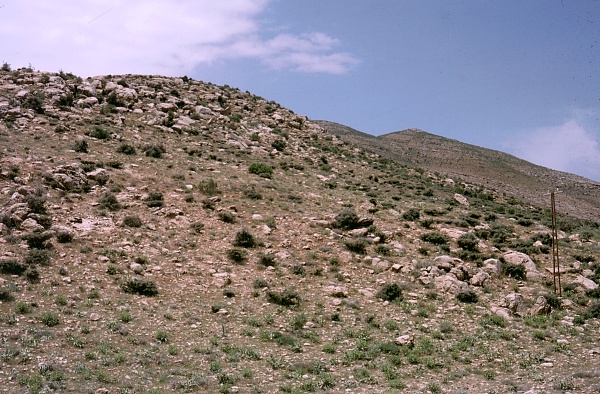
(435, 238)
(209, 187)
(81, 146)
(261, 169)
(37, 257)
(245, 239)
(252, 194)
(227, 217)
(390, 292)
(154, 150)
(37, 239)
(278, 145)
(197, 227)
(23, 307)
(411, 215)
(154, 200)
(267, 260)
(283, 298)
(12, 267)
(64, 237)
(140, 286)
(347, 219)
(132, 221)
(50, 319)
(126, 149)
(467, 296)
(109, 201)
(100, 133)
(468, 242)
(516, 271)
(6, 295)
(356, 245)
(237, 256)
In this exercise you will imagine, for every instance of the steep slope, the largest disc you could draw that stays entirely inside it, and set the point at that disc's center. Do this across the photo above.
(497, 170)
(166, 235)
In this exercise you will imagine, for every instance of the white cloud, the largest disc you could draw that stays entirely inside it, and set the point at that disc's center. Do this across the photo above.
(90, 37)
(568, 147)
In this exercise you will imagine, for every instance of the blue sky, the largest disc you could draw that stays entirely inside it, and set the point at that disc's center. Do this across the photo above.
(516, 76)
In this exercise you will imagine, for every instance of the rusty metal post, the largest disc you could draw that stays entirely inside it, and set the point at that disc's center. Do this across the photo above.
(555, 258)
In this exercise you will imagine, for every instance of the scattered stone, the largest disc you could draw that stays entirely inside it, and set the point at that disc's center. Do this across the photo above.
(541, 307)
(405, 340)
(462, 200)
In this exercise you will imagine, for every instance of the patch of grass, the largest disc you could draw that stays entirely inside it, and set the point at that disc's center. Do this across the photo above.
(356, 245)
(435, 238)
(132, 221)
(237, 256)
(467, 296)
(261, 169)
(390, 292)
(109, 201)
(154, 200)
(209, 187)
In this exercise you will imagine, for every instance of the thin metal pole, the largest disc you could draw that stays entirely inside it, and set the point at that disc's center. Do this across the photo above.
(555, 258)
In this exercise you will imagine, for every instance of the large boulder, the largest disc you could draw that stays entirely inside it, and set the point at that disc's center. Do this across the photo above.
(586, 283)
(449, 284)
(518, 258)
(68, 177)
(541, 307)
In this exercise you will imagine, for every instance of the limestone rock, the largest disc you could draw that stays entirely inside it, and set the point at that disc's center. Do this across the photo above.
(519, 258)
(480, 278)
(515, 302)
(405, 340)
(586, 283)
(541, 307)
(462, 200)
(450, 284)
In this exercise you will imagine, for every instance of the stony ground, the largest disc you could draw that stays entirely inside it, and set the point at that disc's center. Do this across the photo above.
(167, 235)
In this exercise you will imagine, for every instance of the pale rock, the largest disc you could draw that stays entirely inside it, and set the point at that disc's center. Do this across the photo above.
(586, 283)
(462, 200)
(137, 268)
(446, 262)
(336, 291)
(30, 225)
(519, 258)
(502, 312)
(4, 229)
(257, 217)
(515, 302)
(480, 278)
(405, 340)
(266, 229)
(369, 293)
(450, 284)
(166, 107)
(396, 267)
(87, 102)
(492, 267)
(541, 307)
(358, 232)
(94, 316)
(336, 302)
(127, 96)
(99, 175)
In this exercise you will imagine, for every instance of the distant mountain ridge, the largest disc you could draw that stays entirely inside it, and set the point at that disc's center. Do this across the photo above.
(500, 171)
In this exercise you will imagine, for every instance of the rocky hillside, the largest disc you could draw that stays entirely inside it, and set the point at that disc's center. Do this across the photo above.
(580, 196)
(164, 235)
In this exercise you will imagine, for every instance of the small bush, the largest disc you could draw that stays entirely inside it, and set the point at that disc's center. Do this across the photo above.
(356, 245)
(197, 227)
(252, 194)
(140, 286)
(516, 271)
(23, 308)
(109, 201)
(37, 257)
(245, 239)
(209, 187)
(100, 133)
(435, 238)
(347, 219)
(411, 215)
(154, 199)
(260, 283)
(64, 237)
(12, 267)
(50, 319)
(267, 260)
(132, 221)
(6, 295)
(390, 292)
(278, 145)
(81, 146)
(283, 298)
(36, 203)
(467, 296)
(37, 239)
(126, 149)
(237, 256)
(261, 169)
(226, 217)
(468, 242)
(154, 150)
